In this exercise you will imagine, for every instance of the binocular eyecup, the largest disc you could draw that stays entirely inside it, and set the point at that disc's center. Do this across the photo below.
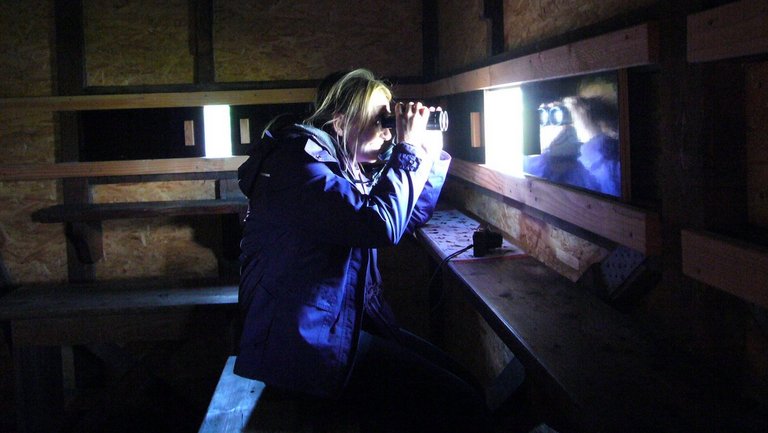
(438, 121)
(557, 115)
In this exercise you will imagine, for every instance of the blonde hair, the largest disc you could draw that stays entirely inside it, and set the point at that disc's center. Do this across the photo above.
(348, 100)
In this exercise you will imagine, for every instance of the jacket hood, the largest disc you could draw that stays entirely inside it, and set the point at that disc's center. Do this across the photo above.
(248, 172)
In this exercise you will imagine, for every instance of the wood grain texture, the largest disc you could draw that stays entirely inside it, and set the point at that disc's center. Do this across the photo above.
(159, 100)
(624, 224)
(112, 297)
(14, 172)
(77, 212)
(233, 402)
(733, 30)
(622, 49)
(734, 266)
(601, 362)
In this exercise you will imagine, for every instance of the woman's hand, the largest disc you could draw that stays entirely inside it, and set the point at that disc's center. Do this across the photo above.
(412, 126)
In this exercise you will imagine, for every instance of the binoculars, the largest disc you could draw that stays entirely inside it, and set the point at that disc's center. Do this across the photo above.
(556, 115)
(438, 121)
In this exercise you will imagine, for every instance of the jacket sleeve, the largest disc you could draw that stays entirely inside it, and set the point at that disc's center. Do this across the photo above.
(427, 201)
(307, 193)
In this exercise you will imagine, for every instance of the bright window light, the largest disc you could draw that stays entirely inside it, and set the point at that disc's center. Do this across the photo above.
(503, 112)
(218, 136)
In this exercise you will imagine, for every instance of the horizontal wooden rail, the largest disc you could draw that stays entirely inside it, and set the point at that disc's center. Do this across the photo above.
(634, 46)
(159, 100)
(79, 212)
(179, 99)
(731, 265)
(43, 171)
(733, 30)
(621, 223)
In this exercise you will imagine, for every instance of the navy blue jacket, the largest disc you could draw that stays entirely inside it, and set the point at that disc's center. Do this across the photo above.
(309, 254)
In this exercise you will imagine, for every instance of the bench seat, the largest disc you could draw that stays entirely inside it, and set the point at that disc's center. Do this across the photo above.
(84, 212)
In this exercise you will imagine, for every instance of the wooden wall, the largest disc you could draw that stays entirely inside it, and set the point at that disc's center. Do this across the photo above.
(306, 40)
(148, 44)
(698, 140)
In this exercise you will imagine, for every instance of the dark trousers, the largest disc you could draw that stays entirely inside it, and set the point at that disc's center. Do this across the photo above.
(402, 383)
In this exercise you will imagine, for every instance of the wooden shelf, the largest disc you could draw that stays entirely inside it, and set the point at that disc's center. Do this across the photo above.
(602, 364)
(634, 46)
(733, 30)
(732, 265)
(621, 223)
(81, 212)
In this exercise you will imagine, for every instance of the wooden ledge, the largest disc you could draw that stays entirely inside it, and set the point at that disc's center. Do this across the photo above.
(731, 265)
(602, 366)
(633, 46)
(82, 212)
(618, 222)
(52, 300)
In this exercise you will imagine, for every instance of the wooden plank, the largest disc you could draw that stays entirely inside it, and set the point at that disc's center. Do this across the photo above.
(159, 100)
(79, 212)
(733, 30)
(171, 324)
(41, 171)
(634, 46)
(600, 361)
(731, 265)
(233, 402)
(44, 301)
(621, 223)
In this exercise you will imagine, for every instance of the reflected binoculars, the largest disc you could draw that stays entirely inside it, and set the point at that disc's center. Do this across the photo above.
(556, 115)
(438, 121)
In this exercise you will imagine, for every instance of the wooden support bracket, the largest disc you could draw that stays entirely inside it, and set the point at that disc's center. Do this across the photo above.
(85, 237)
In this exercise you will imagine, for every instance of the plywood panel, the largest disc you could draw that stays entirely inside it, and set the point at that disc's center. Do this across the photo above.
(157, 247)
(154, 191)
(32, 252)
(464, 34)
(306, 40)
(135, 42)
(612, 220)
(526, 23)
(25, 36)
(564, 252)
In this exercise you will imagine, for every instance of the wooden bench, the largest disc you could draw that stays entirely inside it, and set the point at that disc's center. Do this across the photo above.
(241, 405)
(45, 318)
(84, 219)
(597, 368)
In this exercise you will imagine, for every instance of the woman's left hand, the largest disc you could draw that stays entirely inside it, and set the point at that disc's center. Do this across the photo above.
(412, 126)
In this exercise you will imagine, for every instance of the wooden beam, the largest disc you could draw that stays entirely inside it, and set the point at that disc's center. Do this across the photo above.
(621, 223)
(41, 171)
(634, 46)
(733, 266)
(159, 100)
(733, 30)
(95, 212)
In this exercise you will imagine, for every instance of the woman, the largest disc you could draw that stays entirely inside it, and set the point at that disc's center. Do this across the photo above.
(314, 320)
